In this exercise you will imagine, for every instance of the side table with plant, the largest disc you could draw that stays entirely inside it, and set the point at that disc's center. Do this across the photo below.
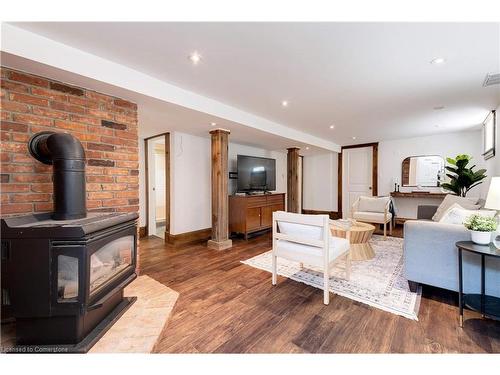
(481, 228)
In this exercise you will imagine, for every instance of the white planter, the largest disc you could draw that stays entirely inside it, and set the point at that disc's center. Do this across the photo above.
(480, 238)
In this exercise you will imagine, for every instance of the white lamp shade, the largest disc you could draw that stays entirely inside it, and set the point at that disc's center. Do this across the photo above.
(493, 198)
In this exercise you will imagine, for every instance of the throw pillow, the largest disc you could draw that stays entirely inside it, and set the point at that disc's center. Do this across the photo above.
(372, 204)
(457, 214)
(449, 200)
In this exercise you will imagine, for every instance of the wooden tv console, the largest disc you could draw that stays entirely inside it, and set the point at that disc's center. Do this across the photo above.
(253, 213)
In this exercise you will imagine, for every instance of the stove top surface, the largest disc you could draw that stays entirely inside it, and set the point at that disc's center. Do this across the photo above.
(42, 225)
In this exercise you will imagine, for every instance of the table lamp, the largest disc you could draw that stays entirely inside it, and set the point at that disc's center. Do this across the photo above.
(493, 202)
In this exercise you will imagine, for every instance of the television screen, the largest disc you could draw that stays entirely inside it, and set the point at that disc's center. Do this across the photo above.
(256, 173)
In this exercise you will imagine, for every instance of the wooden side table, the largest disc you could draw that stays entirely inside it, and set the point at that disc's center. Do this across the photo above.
(360, 235)
(488, 306)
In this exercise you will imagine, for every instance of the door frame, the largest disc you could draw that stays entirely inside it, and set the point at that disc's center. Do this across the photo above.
(167, 181)
(374, 146)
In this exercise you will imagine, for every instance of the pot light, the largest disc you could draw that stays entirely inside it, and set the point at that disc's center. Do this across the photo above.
(438, 61)
(332, 126)
(284, 103)
(353, 138)
(195, 57)
(307, 148)
(213, 123)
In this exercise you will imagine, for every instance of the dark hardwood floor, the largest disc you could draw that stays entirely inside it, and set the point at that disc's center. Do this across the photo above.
(227, 307)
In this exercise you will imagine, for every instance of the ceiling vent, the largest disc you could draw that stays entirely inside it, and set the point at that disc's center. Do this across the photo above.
(491, 79)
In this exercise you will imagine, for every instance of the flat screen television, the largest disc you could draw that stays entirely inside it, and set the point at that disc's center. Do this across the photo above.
(256, 174)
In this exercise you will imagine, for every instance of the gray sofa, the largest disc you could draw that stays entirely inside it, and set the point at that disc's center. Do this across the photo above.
(431, 257)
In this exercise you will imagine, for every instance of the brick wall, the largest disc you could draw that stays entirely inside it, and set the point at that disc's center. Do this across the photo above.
(106, 126)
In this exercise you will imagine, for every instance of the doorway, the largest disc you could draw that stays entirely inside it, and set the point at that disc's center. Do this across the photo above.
(358, 165)
(157, 151)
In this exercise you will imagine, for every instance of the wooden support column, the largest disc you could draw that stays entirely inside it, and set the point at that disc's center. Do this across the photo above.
(293, 180)
(220, 231)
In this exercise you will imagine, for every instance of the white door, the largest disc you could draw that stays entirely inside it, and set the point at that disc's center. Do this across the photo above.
(357, 176)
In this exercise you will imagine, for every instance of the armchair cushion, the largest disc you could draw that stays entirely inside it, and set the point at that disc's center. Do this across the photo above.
(373, 204)
(371, 217)
(310, 232)
(310, 254)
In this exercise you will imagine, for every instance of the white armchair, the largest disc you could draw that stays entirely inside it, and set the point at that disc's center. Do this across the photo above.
(373, 210)
(307, 239)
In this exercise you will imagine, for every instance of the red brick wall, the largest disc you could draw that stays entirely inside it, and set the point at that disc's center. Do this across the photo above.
(106, 126)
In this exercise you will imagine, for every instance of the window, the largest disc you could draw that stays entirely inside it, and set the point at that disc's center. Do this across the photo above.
(489, 129)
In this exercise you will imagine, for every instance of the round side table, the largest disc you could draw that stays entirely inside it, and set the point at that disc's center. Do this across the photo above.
(488, 306)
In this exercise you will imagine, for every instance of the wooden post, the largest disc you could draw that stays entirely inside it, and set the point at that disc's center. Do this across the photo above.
(220, 231)
(293, 180)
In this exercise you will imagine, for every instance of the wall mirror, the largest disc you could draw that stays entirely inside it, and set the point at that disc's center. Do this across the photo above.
(425, 170)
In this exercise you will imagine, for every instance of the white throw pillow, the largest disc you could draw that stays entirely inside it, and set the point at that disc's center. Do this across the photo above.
(301, 230)
(457, 214)
(372, 204)
(449, 200)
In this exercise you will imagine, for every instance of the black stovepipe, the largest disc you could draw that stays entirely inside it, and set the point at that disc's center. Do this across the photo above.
(67, 156)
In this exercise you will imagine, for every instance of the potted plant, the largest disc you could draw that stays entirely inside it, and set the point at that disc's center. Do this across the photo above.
(462, 178)
(481, 228)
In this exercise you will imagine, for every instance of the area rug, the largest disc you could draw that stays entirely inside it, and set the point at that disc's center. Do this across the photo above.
(139, 327)
(378, 282)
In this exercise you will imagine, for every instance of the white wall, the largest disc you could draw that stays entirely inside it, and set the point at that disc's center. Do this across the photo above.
(493, 165)
(391, 154)
(236, 149)
(190, 207)
(190, 173)
(320, 182)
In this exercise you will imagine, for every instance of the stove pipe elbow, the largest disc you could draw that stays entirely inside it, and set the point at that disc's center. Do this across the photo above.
(65, 153)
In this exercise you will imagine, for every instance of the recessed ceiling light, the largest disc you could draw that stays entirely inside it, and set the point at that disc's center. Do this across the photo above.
(439, 107)
(195, 57)
(307, 148)
(332, 126)
(213, 123)
(438, 61)
(284, 103)
(353, 137)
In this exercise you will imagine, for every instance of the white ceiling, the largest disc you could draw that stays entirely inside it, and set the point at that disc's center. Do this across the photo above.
(371, 80)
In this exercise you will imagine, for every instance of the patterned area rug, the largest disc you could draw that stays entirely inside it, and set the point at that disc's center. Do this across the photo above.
(378, 282)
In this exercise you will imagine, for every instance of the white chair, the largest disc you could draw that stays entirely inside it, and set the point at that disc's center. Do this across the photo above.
(307, 239)
(373, 210)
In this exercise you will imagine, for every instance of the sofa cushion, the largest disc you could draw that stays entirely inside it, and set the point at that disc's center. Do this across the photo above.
(449, 200)
(371, 217)
(373, 204)
(456, 214)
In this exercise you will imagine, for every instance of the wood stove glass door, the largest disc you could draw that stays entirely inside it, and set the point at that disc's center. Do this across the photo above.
(110, 260)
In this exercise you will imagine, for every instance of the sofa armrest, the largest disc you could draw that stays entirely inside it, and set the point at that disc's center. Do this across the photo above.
(430, 254)
(426, 212)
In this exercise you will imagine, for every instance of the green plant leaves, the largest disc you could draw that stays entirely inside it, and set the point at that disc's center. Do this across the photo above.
(462, 178)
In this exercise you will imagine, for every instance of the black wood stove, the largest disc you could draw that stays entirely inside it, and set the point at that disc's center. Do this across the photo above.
(63, 273)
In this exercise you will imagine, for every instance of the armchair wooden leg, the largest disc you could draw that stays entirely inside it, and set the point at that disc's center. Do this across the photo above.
(385, 231)
(390, 227)
(326, 286)
(301, 265)
(275, 269)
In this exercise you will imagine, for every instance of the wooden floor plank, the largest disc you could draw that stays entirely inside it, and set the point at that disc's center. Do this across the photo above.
(225, 306)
